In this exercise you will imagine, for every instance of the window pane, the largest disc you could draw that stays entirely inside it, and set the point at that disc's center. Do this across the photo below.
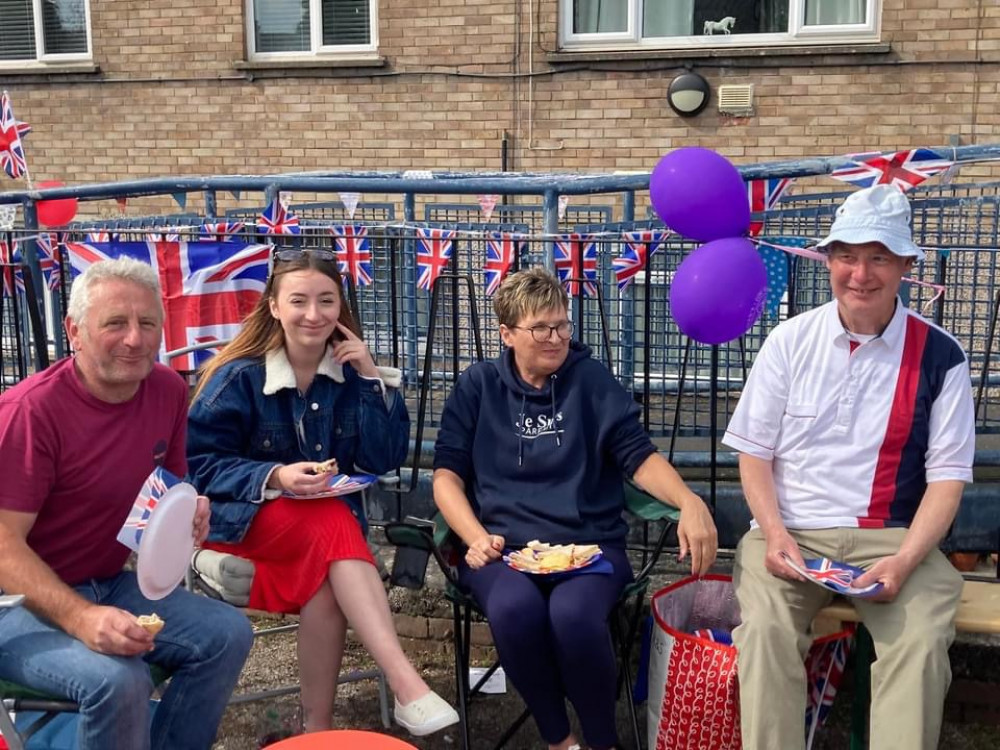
(17, 32)
(663, 18)
(600, 16)
(65, 24)
(281, 25)
(346, 22)
(831, 12)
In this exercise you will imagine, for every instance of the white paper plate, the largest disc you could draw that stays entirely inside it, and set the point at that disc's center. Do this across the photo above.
(166, 545)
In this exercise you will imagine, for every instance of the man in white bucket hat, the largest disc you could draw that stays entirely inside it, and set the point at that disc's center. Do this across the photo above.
(856, 435)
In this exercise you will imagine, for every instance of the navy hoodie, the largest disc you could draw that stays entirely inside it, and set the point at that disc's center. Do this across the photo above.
(544, 463)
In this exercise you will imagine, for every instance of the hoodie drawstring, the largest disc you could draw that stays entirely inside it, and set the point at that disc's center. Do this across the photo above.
(552, 391)
(520, 435)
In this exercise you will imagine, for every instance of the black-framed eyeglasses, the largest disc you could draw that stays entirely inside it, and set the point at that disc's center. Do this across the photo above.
(542, 333)
(289, 254)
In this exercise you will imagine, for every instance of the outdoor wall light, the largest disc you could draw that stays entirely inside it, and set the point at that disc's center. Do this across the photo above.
(688, 94)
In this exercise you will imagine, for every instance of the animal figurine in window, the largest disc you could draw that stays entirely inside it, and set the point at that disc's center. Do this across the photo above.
(724, 26)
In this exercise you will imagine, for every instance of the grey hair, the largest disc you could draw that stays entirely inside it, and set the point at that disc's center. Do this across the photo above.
(120, 269)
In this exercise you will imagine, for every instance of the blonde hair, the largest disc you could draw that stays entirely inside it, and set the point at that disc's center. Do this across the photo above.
(526, 292)
(261, 332)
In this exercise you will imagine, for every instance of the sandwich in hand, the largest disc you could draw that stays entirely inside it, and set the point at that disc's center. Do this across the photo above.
(326, 467)
(152, 623)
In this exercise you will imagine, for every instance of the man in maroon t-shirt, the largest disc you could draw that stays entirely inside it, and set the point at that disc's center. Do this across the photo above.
(76, 443)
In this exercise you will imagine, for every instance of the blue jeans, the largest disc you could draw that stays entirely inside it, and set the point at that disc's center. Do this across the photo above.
(203, 645)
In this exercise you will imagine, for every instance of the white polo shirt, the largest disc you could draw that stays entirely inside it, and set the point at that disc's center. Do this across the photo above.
(855, 431)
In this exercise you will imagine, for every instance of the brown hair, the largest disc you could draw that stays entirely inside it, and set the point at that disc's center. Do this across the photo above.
(527, 292)
(261, 332)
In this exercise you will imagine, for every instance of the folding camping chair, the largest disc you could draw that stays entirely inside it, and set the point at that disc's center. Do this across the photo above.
(442, 544)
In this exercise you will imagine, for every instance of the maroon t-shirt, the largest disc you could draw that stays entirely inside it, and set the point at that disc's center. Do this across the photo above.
(79, 462)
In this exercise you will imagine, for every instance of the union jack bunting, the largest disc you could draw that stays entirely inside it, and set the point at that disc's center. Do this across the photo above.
(101, 236)
(824, 670)
(904, 169)
(764, 196)
(277, 219)
(163, 236)
(49, 260)
(354, 253)
(434, 248)
(219, 231)
(634, 254)
(11, 132)
(575, 257)
(207, 287)
(13, 277)
(501, 250)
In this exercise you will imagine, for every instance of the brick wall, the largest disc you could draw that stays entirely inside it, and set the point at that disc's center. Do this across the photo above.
(172, 95)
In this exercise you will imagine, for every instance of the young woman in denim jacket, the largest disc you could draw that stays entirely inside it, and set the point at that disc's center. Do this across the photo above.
(298, 386)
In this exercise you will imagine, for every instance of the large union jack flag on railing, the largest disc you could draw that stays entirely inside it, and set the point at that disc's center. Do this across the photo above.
(904, 169)
(434, 248)
(354, 253)
(207, 287)
(48, 259)
(12, 159)
(277, 219)
(13, 277)
(501, 250)
(637, 247)
(764, 196)
(575, 257)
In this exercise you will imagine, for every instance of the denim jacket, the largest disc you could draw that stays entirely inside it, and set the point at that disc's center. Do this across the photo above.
(250, 418)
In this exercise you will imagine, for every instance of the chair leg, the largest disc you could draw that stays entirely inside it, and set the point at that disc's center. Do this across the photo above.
(512, 730)
(383, 699)
(461, 671)
(8, 731)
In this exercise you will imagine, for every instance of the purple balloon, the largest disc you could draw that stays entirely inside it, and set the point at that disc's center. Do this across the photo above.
(699, 194)
(718, 291)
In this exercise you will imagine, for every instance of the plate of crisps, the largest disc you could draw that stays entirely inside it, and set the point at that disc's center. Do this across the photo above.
(540, 558)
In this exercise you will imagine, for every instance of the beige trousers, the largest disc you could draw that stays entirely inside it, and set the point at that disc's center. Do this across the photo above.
(911, 636)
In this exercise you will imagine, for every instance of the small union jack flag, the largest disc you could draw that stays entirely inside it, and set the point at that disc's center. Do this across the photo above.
(714, 635)
(12, 159)
(501, 250)
(219, 231)
(354, 253)
(13, 277)
(434, 248)
(638, 246)
(824, 669)
(49, 260)
(764, 196)
(904, 169)
(101, 236)
(277, 219)
(575, 257)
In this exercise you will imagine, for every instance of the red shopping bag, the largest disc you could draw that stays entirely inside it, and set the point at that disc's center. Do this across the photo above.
(693, 689)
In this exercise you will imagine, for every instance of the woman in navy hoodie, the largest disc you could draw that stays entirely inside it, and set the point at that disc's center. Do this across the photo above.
(536, 445)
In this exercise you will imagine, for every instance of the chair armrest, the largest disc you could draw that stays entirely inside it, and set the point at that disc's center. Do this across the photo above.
(640, 503)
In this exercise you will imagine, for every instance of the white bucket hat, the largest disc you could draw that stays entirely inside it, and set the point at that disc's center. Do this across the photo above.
(880, 213)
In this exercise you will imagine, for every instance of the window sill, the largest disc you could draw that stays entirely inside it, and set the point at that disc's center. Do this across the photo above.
(316, 63)
(43, 70)
(755, 56)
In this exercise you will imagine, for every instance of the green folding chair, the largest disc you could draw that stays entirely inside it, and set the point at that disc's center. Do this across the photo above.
(438, 541)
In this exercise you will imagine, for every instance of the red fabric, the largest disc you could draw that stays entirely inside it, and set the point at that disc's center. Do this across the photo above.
(291, 544)
(78, 462)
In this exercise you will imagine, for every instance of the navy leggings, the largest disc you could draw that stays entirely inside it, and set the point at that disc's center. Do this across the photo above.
(554, 642)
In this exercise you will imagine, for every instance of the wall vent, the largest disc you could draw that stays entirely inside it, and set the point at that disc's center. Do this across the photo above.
(736, 100)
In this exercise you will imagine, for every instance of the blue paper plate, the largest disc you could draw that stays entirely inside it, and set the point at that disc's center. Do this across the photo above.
(339, 484)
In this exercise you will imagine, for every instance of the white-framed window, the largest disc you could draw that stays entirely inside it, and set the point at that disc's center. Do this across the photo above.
(305, 28)
(680, 24)
(44, 31)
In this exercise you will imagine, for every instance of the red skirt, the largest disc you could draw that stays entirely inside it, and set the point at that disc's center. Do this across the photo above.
(291, 544)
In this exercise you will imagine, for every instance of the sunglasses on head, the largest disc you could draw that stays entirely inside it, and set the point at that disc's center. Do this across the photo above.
(289, 254)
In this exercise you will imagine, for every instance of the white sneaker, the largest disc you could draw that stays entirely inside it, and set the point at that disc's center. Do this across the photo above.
(426, 715)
